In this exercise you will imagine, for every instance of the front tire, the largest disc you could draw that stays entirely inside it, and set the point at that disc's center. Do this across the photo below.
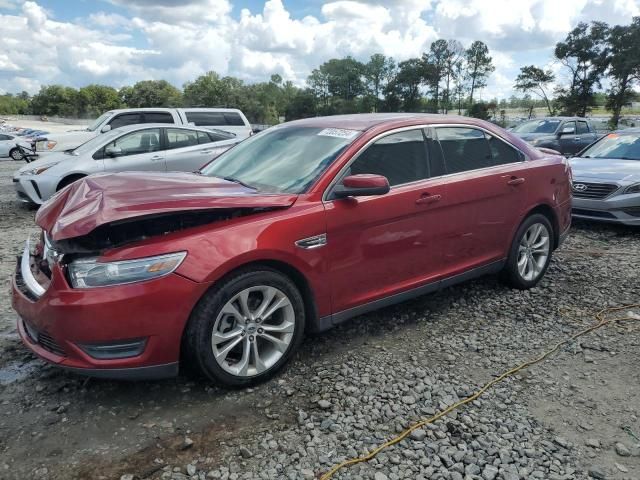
(16, 154)
(530, 252)
(246, 329)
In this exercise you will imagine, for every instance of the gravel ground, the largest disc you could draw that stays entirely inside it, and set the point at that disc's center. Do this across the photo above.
(575, 416)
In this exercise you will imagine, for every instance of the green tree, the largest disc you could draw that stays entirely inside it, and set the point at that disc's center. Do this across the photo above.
(479, 66)
(453, 67)
(94, 100)
(56, 100)
(378, 71)
(624, 68)
(435, 64)
(406, 85)
(535, 80)
(151, 93)
(584, 53)
(15, 104)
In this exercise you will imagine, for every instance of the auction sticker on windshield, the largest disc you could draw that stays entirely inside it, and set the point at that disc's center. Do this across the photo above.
(338, 132)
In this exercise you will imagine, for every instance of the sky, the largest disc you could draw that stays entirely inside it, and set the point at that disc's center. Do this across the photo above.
(119, 42)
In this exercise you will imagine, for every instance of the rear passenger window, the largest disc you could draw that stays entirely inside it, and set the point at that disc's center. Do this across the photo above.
(206, 118)
(158, 117)
(125, 119)
(502, 153)
(233, 119)
(401, 157)
(583, 127)
(203, 137)
(179, 138)
(464, 149)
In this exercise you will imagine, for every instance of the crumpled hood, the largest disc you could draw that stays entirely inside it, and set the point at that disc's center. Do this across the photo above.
(112, 197)
(626, 171)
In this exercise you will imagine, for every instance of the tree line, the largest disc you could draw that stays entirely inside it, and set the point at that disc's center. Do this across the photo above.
(446, 78)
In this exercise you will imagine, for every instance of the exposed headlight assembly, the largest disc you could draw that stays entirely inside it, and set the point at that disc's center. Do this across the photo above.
(635, 188)
(89, 273)
(38, 170)
(45, 145)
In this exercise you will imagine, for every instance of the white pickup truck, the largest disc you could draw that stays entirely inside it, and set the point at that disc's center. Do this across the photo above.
(228, 119)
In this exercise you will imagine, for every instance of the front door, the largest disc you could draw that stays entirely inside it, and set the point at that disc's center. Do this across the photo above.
(139, 151)
(381, 245)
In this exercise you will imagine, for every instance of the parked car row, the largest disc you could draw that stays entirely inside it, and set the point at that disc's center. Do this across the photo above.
(228, 119)
(145, 147)
(14, 139)
(295, 229)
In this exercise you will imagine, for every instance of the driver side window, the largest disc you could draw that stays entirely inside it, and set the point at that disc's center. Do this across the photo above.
(400, 157)
(136, 143)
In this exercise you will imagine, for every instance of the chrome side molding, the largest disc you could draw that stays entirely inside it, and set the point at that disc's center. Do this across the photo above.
(316, 241)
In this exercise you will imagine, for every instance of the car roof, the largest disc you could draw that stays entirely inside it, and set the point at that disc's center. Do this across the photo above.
(365, 121)
(168, 109)
(142, 126)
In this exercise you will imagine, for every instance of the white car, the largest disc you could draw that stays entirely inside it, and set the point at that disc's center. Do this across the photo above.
(227, 119)
(9, 146)
(153, 147)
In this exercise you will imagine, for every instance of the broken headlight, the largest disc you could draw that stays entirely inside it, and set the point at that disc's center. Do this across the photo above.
(90, 273)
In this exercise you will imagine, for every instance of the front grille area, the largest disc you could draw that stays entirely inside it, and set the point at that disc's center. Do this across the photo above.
(593, 190)
(45, 340)
(633, 211)
(592, 213)
(21, 285)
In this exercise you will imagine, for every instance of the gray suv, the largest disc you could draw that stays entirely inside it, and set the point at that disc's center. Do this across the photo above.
(567, 135)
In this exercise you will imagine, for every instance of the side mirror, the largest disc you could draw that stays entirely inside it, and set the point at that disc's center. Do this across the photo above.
(361, 185)
(112, 151)
(568, 130)
(105, 129)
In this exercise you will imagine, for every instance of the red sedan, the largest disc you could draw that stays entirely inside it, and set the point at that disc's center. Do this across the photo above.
(295, 229)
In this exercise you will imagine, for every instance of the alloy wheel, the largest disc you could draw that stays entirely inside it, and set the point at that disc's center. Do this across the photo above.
(533, 251)
(253, 331)
(16, 154)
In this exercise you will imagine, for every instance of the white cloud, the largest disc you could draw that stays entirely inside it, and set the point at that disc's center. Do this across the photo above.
(179, 40)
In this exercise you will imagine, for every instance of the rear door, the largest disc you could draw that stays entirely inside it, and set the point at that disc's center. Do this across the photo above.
(188, 150)
(139, 150)
(381, 245)
(486, 195)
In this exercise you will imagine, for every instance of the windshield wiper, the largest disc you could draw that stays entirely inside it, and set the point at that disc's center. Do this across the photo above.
(239, 182)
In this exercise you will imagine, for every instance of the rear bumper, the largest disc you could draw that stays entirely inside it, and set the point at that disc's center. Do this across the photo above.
(66, 326)
(622, 209)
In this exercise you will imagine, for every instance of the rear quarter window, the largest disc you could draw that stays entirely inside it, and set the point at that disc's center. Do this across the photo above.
(200, 119)
(158, 117)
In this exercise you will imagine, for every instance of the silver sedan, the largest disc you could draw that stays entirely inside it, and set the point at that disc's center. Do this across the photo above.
(9, 145)
(152, 147)
(606, 179)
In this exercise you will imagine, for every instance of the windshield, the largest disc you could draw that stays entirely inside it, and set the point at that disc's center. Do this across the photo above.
(98, 121)
(282, 159)
(94, 143)
(625, 146)
(537, 126)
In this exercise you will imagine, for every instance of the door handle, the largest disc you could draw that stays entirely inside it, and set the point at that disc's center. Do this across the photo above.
(577, 139)
(427, 199)
(155, 158)
(515, 181)
(205, 152)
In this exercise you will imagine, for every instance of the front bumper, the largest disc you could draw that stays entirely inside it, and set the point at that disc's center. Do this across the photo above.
(35, 189)
(59, 324)
(623, 209)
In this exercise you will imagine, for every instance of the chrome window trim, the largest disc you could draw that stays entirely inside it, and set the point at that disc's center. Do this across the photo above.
(422, 127)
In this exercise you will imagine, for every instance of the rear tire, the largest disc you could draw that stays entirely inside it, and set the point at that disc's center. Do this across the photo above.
(530, 252)
(16, 154)
(246, 329)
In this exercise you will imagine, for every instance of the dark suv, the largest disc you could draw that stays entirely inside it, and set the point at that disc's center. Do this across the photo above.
(567, 135)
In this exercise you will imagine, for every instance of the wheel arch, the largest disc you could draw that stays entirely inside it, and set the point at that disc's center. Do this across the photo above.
(547, 211)
(290, 271)
(68, 179)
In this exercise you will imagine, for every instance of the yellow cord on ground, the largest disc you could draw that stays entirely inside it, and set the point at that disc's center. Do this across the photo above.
(601, 322)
